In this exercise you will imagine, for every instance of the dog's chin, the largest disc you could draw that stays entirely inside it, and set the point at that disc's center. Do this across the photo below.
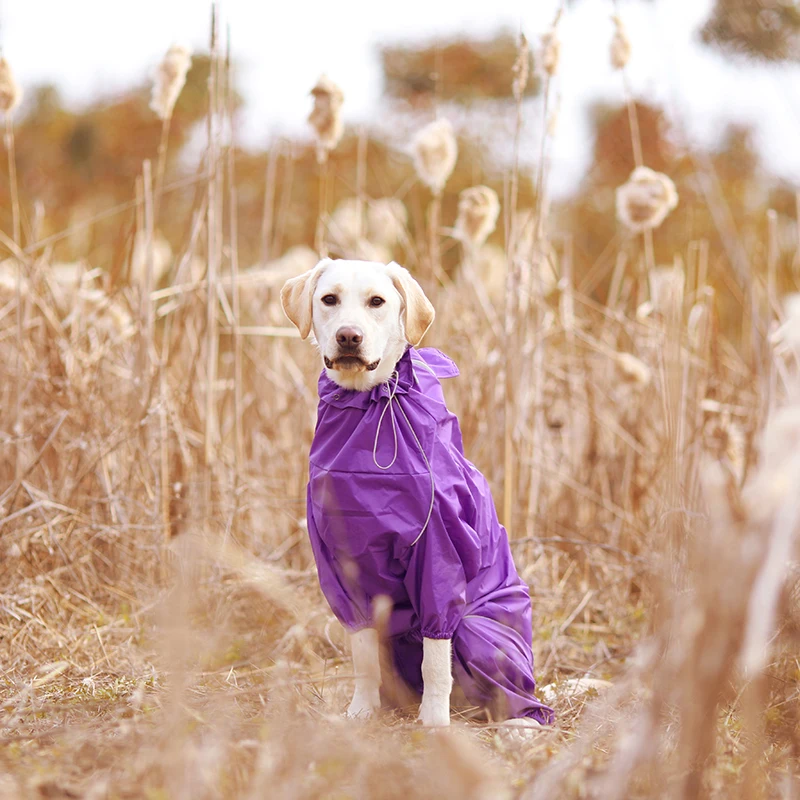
(351, 364)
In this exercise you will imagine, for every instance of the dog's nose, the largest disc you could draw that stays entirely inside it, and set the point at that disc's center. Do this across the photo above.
(349, 337)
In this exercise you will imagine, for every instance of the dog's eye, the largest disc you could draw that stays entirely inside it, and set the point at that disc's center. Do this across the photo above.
(376, 302)
(330, 300)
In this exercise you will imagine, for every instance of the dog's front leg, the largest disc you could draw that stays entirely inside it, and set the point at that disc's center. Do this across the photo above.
(437, 677)
(367, 668)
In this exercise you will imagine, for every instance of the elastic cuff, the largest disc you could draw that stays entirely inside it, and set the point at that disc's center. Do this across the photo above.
(436, 635)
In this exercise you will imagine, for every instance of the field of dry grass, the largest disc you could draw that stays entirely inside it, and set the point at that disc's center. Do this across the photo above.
(162, 632)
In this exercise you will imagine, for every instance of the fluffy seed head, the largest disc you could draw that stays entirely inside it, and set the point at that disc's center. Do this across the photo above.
(387, 218)
(645, 200)
(10, 91)
(620, 45)
(478, 208)
(521, 69)
(633, 369)
(326, 116)
(351, 235)
(435, 151)
(169, 80)
(162, 259)
(551, 52)
(735, 449)
(666, 288)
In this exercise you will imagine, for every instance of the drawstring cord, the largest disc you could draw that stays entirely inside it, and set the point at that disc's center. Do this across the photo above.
(390, 408)
(391, 400)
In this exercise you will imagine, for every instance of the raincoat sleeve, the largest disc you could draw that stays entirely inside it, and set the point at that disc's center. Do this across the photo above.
(344, 603)
(436, 580)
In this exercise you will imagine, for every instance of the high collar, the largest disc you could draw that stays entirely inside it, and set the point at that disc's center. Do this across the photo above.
(330, 392)
(404, 374)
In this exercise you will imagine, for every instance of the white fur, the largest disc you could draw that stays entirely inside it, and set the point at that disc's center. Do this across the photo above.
(437, 677)
(355, 283)
(366, 665)
(383, 301)
(402, 319)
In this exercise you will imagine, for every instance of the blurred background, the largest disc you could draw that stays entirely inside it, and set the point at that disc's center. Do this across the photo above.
(715, 84)
(600, 199)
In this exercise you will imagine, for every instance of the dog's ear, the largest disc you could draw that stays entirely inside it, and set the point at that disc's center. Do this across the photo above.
(419, 312)
(297, 296)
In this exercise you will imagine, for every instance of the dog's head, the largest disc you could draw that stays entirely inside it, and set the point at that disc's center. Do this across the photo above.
(362, 314)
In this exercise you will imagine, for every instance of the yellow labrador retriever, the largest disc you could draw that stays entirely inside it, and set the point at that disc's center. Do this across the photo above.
(395, 510)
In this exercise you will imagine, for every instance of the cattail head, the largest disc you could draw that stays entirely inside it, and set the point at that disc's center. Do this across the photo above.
(169, 80)
(162, 259)
(735, 449)
(551, 52)
(478, 208)
(645, 200)
(435, 151)
(521, 69)
(351, 235)
(326, 116)
(727, 438)
(620, 45)
(10, 91)
(633, 369)
(666, 289)
(346, 227)
(386, 221)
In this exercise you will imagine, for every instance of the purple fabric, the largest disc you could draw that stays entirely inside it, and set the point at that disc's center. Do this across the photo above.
(395, 509)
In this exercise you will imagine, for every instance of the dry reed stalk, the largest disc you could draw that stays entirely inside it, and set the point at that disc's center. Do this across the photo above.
(320, 242)
(530, 288)
(361, 178)
(287, 186)
(213, 230)
(478, 209)
(520, 80)
(326, 120)
(267, 218)
(435, 150)
(773, 306)
(146, 304)
(238, 448)
(521, 73)
(169, 80)
(568, 322)
(10, 97)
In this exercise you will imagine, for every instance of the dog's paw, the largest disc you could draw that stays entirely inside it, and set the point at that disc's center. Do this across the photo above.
(434, 712)
(363, 706)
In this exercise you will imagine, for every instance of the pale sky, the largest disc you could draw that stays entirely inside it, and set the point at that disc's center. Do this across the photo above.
(94, 47)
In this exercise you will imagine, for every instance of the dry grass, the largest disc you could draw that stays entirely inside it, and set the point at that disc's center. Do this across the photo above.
(162, 633)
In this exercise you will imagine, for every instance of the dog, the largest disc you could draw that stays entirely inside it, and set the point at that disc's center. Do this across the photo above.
(396, 511)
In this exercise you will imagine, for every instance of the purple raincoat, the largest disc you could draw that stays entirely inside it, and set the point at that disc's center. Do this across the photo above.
(395, 509)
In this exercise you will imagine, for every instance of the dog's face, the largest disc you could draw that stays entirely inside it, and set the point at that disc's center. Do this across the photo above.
(362, 313)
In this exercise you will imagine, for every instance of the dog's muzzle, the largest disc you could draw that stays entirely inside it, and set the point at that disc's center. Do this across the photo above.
(350, 362)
